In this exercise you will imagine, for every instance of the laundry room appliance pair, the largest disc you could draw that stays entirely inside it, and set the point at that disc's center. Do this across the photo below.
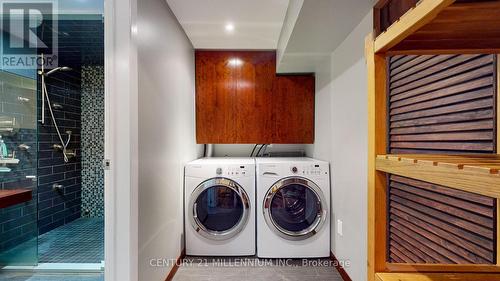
(269, 207)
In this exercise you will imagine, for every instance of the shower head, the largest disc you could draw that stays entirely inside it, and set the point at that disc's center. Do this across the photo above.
(61, 68)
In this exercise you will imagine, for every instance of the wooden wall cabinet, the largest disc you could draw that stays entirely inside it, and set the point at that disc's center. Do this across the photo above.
(240, 99)
(294, 109)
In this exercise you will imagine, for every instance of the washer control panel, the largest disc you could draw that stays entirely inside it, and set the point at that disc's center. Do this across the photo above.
(232, 171)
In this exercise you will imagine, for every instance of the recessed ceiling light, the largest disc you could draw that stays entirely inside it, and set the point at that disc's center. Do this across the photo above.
(229, 27)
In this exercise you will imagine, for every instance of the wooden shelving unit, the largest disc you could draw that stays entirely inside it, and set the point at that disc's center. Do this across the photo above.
(444, 26)
(473, 173)
(436, 277)
(431, 27)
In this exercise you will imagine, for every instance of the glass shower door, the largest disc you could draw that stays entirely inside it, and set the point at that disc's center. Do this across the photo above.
(18, 167)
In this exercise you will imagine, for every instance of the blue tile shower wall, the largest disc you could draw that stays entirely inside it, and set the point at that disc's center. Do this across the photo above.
(81, 42)
(18, 223)
(56, 208)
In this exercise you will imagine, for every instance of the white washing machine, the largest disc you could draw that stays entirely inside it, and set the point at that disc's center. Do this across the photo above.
(219, 207)
(293, 208)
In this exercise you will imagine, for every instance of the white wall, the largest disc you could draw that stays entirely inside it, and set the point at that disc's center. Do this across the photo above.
(342, 139)
(166, 133)
(244, 150)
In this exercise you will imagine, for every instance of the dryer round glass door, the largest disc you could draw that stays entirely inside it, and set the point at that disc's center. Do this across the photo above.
(295, 208)
(219, 208)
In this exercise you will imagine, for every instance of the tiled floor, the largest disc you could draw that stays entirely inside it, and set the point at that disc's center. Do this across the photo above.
(203, 269)
(80, 241)
(6, 276)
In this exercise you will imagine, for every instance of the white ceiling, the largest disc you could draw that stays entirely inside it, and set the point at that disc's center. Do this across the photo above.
(323, 24)
(320, 27)
(257, 23)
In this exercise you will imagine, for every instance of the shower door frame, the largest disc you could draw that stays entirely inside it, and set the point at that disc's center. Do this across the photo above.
(121, 141)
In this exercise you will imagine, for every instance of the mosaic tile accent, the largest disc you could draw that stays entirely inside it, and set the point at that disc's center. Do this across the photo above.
(92, 141)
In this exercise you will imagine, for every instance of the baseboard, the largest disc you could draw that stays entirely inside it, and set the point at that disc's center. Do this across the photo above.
(339, 268)
(174, 269)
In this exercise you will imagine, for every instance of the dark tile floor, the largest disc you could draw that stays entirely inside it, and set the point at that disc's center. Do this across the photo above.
(251, 269)
(80, 241)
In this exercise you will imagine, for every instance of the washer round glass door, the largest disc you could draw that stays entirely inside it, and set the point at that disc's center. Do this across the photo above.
(219, 208)
(295, 208)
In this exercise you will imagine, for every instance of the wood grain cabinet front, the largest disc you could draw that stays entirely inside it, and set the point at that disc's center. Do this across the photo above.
(240, 99)
(294, 109)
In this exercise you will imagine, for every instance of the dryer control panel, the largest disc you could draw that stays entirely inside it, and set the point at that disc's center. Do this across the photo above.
(307, 170)
(294, 169)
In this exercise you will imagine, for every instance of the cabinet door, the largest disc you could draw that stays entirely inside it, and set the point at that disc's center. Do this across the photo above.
(234, 92)
(253, 101)
(294, 109)
(239, 99)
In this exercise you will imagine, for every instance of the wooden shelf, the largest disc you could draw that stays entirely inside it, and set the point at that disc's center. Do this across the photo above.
(409, 23)
(14, 196)
(473, 173)
(444, 26)
(437, 277)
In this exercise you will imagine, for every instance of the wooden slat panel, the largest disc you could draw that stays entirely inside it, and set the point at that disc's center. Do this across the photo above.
(431, 66)
(433, 69)
(486, 232)
(446, 118)
(431, 101)
(459, 107)
(438, 232)
(410, 65)
(400, 252)
(420, 253)
(450, 127)
(439, 224)
(466, 235)
(402, 60)
(442, 104)
(447, 191)
(429, 240)
(410, 90)
(445, 199)
(452, 211)
(444, 137)
(418, 242)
